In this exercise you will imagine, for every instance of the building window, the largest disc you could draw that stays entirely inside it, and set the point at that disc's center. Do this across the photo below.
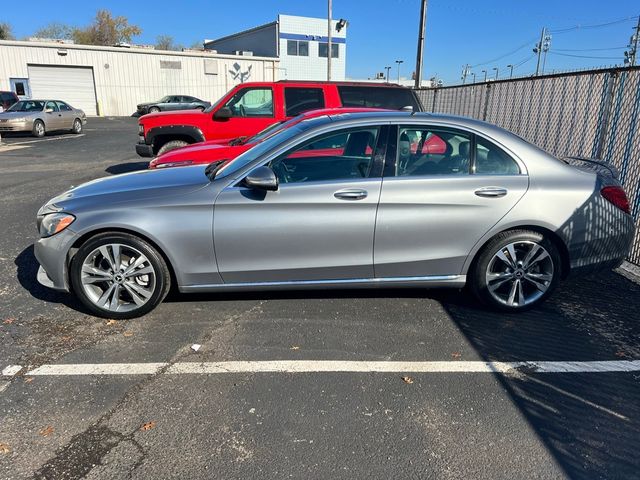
(297, 48)
(322, 50)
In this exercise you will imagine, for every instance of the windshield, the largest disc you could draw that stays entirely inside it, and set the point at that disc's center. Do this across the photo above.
(27, 106)
(272, 141)
(263, 134)
(215, 105)
(166, 99)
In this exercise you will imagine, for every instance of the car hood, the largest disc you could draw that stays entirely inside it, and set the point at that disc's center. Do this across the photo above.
(134, 186)
(184, 114)
(146, 104)
(10, 115)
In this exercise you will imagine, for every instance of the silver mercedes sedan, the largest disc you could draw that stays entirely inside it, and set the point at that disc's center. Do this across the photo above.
(382, 199)
(42, 116)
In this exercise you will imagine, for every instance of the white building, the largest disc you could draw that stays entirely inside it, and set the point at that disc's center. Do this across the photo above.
(113, 80)
(300, 43)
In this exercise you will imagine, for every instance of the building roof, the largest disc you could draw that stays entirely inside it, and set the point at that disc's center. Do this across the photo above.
(243, 32)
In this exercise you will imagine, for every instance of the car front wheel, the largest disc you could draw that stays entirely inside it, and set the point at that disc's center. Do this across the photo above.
(39, 129)
(77, 126)
(517, 270)
(154, 110)
(117, 275)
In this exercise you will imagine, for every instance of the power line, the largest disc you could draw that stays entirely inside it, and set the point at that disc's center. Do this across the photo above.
(597, 25)
(587, 49)
(524, 45)
(583, 56)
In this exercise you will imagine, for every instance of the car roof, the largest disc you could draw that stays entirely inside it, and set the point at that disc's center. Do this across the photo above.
(339, 110)
(322, 83)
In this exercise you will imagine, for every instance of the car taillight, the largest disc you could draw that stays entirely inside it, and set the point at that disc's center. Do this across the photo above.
(616, 196)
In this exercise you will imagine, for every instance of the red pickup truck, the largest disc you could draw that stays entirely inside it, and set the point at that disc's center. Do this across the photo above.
(251, 107)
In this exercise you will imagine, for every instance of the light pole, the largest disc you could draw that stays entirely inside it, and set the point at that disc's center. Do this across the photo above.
(510, 67)
(485, 75)
(399, 62)
(388, 69)
(474, 76)
(496, 69)
(329, 40)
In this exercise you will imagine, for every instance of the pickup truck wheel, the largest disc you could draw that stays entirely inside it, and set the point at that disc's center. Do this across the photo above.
(172, 145)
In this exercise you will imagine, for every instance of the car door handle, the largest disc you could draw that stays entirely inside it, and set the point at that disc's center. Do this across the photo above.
(491, 192)
(350, 194)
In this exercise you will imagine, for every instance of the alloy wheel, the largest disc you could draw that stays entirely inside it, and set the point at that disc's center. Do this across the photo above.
(118, 278)
(77, 126)
(39, 129)
(519, 273)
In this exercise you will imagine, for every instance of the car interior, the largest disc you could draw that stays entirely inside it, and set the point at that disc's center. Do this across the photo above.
(342, 156)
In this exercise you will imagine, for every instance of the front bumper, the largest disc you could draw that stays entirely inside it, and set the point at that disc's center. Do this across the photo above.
(144, 150)
(52, 253)
(16, 126)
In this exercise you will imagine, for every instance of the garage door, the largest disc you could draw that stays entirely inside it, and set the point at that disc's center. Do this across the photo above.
(73, 85)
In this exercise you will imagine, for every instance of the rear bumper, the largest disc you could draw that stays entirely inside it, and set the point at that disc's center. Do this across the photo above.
(144, 150)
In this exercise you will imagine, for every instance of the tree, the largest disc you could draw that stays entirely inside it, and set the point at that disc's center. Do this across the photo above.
(55, 30)
(5, 32)
(165, 42)
(196, 45)
(106, 30)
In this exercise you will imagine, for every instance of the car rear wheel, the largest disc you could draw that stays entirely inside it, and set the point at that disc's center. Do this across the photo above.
(117, 275)
(77, 126)
(517, 270)
(154, 110)
(172, 145)
(38, 129)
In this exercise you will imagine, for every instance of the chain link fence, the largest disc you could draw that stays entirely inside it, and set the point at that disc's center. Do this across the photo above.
(591, 114)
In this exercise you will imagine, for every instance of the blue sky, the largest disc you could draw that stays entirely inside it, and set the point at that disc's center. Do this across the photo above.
(381, 31)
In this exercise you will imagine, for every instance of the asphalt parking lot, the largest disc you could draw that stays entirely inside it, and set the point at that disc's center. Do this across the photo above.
(369, 384)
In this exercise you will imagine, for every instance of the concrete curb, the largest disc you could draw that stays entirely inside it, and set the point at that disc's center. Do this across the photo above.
(630, 271)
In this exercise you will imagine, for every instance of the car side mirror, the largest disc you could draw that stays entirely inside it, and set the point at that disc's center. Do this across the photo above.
(223, 113)
(262, 178)
(48, 110)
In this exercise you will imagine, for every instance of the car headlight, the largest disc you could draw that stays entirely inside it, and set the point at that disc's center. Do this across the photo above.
(20, 119)
(53, 223)
(173, 164)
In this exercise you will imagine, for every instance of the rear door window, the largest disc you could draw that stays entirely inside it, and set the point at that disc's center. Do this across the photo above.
(298, 100)
(377, 97)
(492, 160)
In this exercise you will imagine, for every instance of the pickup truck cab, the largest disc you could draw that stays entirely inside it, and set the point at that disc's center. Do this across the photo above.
(251, 107)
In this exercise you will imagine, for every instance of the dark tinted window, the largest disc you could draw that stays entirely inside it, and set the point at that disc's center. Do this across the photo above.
(424, 150)
(492, 160)
(20, 90)
(323, 47)
(377, 97)
(292, 47)
(340, 155)
(303, 49)
(298, 100)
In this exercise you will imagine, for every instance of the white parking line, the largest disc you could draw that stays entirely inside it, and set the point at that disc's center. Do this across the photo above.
(321, 366)
(40, 140)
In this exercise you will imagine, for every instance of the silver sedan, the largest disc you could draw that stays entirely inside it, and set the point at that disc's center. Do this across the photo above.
(42, 116)
(352, 200)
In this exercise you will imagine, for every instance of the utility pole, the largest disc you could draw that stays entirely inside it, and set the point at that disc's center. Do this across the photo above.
(485, 75)
(387, 69)
(465, 72)
(399, 62)
(496, 69)
(632, 54)
(510, 67)
(423, 22)
(542, 47)
(328, 40)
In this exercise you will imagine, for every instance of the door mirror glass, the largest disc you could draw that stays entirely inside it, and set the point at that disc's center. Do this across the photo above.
(223, 113)
(262, 178)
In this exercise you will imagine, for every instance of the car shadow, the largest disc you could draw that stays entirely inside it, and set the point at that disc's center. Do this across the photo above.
(589, 422)
(126, 167)
(27, 267)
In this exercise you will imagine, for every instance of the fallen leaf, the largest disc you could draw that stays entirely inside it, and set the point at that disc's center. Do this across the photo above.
(65, 339)
(111, 322)
(45, 432)
(407, 380)
(620, 354)
(8, 321)
(456, 355)
(295, 347)
(148, 426)
(4, 448)
(128, 334)
(28, 379)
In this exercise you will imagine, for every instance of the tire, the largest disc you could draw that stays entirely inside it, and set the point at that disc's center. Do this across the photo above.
(172, 145)
(77, 126)
(516, 286)
(38, 130)
(119, 295)
(154, 110)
